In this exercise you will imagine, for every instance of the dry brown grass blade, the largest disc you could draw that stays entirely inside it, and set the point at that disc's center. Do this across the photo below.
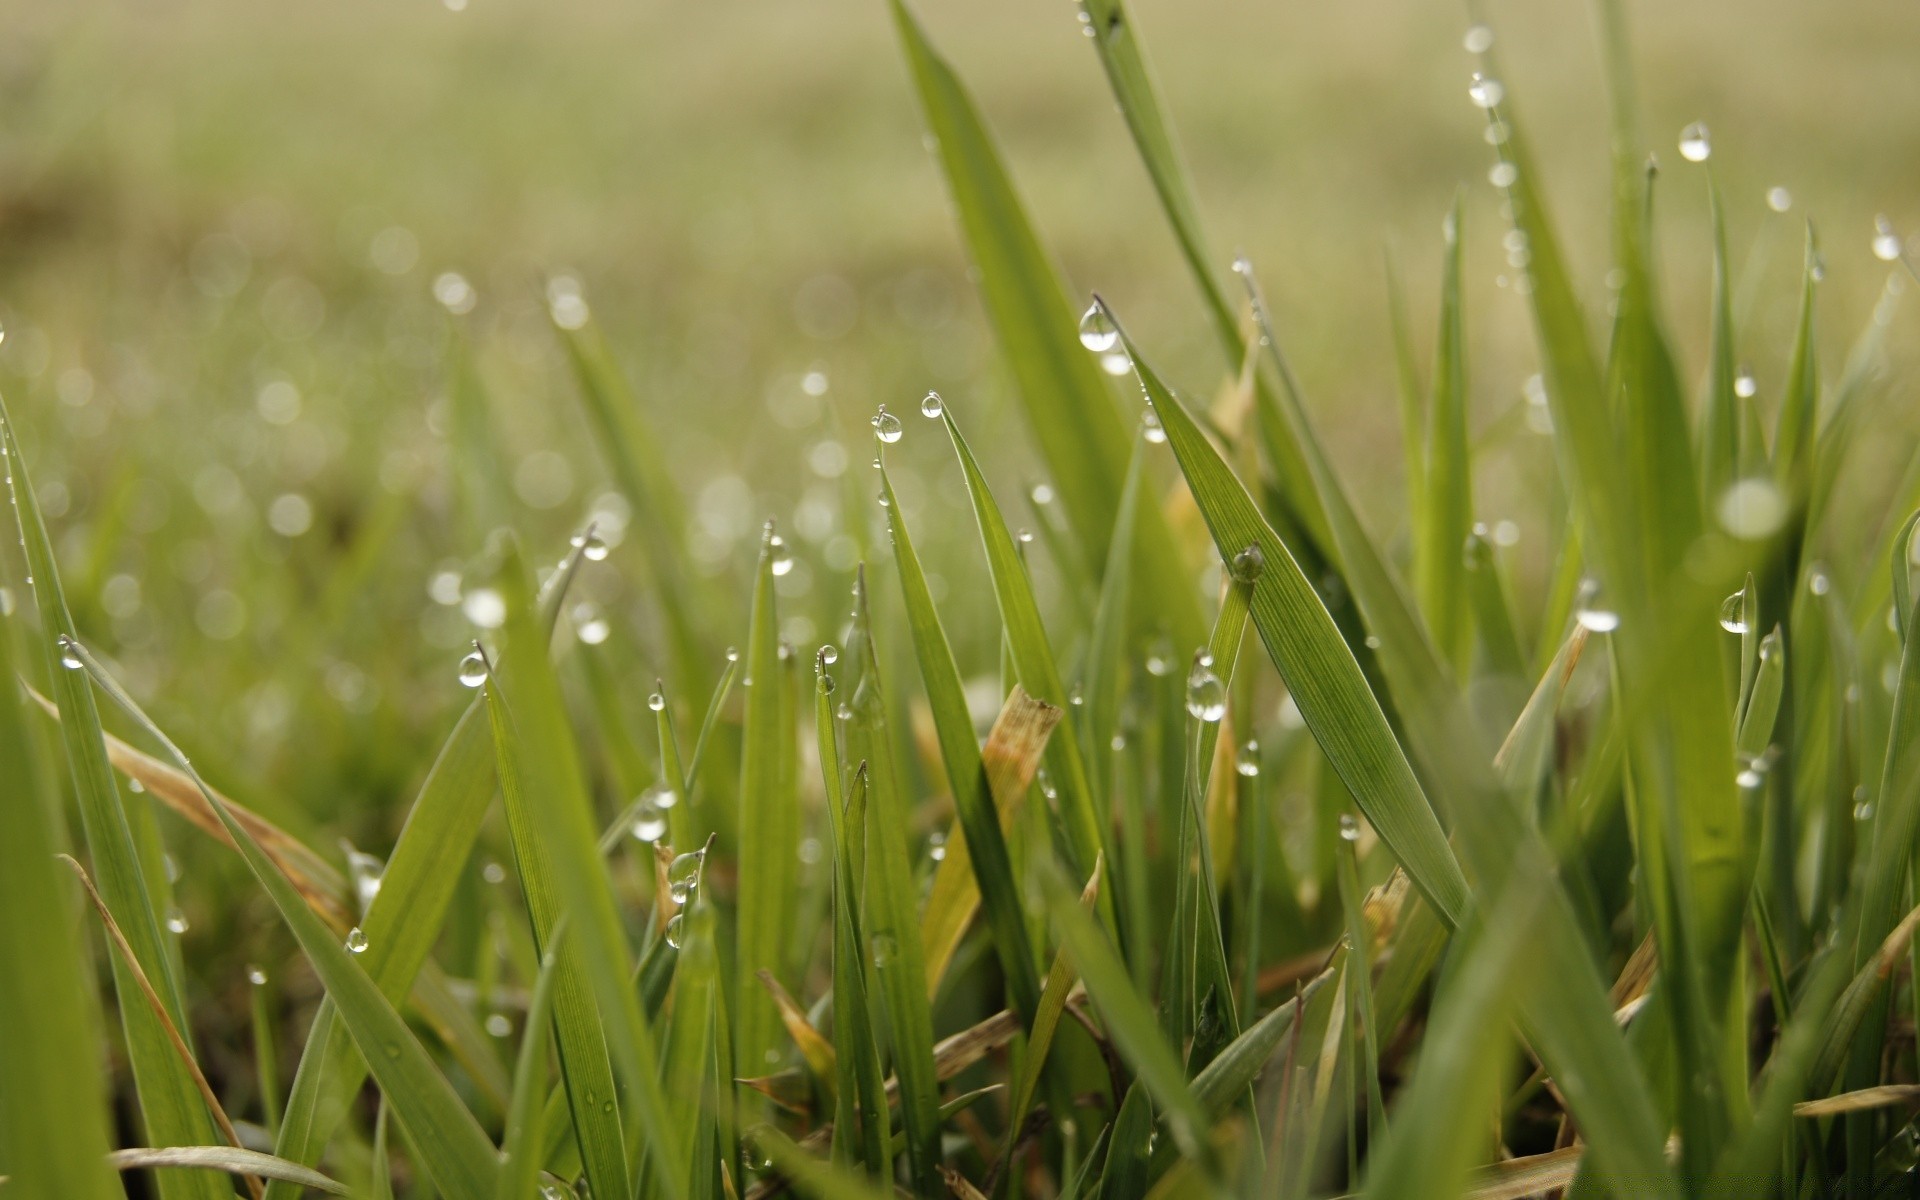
(313, 876)
(815, 1049)
(958, 1186)
(1884, 1096)
(1011, 757)
(1528, 1176)
(180, 1047)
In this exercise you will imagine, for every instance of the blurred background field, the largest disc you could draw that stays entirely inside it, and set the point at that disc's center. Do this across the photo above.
(221, 227)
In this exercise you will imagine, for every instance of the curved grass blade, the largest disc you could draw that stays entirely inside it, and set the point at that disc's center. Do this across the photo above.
(973, 795)
(525, 1131)
(455, 1150)
(225, 1158)
(121, 850)
(56, 1145)
(1066, 401)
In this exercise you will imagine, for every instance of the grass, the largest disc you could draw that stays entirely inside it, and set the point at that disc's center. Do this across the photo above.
(1587, 872)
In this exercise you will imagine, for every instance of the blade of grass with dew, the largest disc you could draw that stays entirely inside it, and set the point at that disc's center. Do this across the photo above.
(889, 916)
(226, 1159)
(1124, 1175)
(1129, 1019)
(1066, 401)
(1118, 47)
(1573, 1026)
(769, 827)
(1034, 663)
(170, 1107)
(634, 455)
(1046, 1021)
(455, 1150)
(1107, 637)
(537, 758)
(56, 1144)
(1319, 669)
(1222, 1082)
(860, 1094)
(690, 1052)
(1446, 508)
(973, 796)
(525, 1132)
(404, 919)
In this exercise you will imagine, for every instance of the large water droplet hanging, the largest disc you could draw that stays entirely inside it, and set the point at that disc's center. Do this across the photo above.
(1487, 93)
(1733, 616)
(176, 921)
(1152, 429)
(69, 652)
(829, 655)
(683, 875)
(1779, 199)
(1695, 145)
(1248, 565)
(473, 669)
(357, 940)
(676, 930)
(1597, 620)
(1206, 695)
(1349, 828)
(931, 406)
(1097, 330)
(1248, 763)
(1745, 385)
(649, 816)
(886, 426)
(783, 557)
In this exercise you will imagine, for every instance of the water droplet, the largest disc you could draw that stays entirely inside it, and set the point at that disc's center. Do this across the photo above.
(733, 654)
(676, 930)
(1863, 811)
(782, 562)
(1024, 537)
(1151, 428)
(885, 950)
(69, 652)
(1487, 93)
(657, 702)
(1159, 658)
(1076, 696)
(1045, 783)
(499, 1025)
(1744, 384)
(176, 920)
(453, 292)
(1503, 174)
(485, 608)
(473, 669)
(591, 546)
(1206, 695)
(1248, 763)
(1695, 146)
(256, 976)
(683, 875)
(494, 873)
(1349, 828)
(1097, 330)
(1733, 617)
(937, 847)
(886, 426)
(1248, 564)
(829, 655)
(1116, 362)
(1597, 620)
(357, 940)
(931, 406)
(1779, 199)
(1749, 779)
(1886, 243)
(1479, 39)
(649, 818)
(827, 684)
(1818, 582)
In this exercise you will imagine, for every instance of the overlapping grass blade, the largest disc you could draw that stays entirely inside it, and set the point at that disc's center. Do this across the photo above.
(122, 848)
(228, 1159)
(888, 909)
(56, 1143)
(1446, 509)
(973, 798)
(1066, 402)
(537, 759)
(525, 1131)
(455, 1150)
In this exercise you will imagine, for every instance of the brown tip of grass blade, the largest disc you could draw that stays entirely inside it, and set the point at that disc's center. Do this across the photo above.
(815, 1049)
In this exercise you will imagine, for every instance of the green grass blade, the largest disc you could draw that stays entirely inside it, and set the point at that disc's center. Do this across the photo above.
(525, 1131)
(1066, 401)
(119, 849)
(54, 1144)
(860, 1094)
(1319, 669)
(1793, 441)
(455, 1149)
(537, 759)
(1446, 509)
(973, 798)
(769, 828)
(690, 1052)
(889, 916)
(1033, 662)
(1721, 422)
